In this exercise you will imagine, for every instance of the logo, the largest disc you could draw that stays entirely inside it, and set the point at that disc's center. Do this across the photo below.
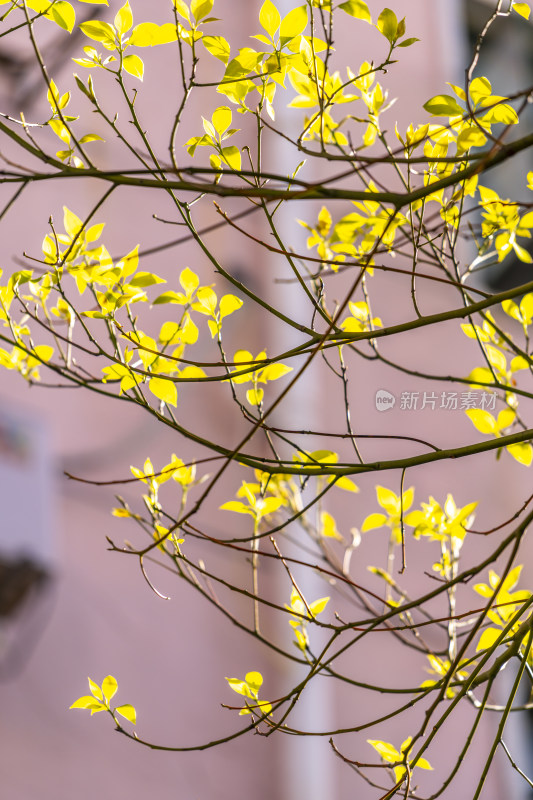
(384, 400)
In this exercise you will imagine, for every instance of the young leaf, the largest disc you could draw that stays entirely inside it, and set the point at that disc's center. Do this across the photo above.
(218, 47)
(387, 24)
(482, 420)
(148, 34)
(124, 19)
(269, 17)
(95, 689)
(522, 8)
(64, 15)
(293, 24)
(358, 9)
(232, 156)
(164, 390)
(228, 304)
(128, 712)
(134, 65)
(182, 9)
(100, 32)
(444, 105)
(89, 703)
(201, 8)
(221, 119)
(109, 687)
(521, 452)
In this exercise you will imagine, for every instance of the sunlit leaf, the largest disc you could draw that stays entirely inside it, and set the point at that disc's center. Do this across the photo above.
(164, 390)
(128, 712)
(134, 65)
(358, 9)
(109, 687)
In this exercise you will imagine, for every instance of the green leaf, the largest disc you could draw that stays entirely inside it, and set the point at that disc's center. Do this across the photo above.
(134, 65)
(128, 712)
(408, 43)
(124, 18)
(218, 47)
(444, 105)
(387, 24)
(358, 9)
(269, 17)
(64, 15)
(109, 687)
(164, 390)
(293, 24)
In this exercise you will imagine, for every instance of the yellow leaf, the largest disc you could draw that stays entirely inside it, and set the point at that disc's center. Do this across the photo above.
(134, 65)
(63, 15)
(273, 372)
(255, 396)
(269, 17)
(221, 119)
(149, 34)
(71, 222)
(387, 751)
(109, 687)
(488, 639)
(164, 390)
(522, 452)
(482, 420)
(228, 304)
(523, 9)
(294, 23)
(329, 526)
(124, 18)
(128, 712)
